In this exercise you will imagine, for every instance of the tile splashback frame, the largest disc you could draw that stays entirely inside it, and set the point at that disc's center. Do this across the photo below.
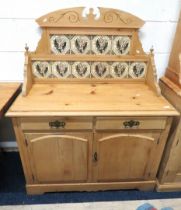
(112, 23)
(91, 65)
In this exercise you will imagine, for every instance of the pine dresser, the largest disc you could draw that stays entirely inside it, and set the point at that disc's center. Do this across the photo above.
(90, 116)
(170, 171)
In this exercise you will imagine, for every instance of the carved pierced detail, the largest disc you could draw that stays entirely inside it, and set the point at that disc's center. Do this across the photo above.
(74, 18)
(99, 70)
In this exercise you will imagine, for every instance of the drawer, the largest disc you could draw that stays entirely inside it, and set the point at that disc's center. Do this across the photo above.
(56, 123)
(113, 123)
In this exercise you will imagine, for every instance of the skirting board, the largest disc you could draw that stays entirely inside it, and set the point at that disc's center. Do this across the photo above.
(8, 146)
(50, 187)
(168, 187)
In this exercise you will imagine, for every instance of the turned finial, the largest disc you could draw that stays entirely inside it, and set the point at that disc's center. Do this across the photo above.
(152, 50)
(26, 47)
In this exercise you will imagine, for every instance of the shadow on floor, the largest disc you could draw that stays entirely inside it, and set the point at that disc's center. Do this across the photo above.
(12, 188)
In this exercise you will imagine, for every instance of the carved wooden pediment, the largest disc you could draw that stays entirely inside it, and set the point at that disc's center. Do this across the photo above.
(72, 17)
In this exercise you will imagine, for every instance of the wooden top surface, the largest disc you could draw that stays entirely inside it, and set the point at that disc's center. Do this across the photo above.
(91, 100)
(7, 92)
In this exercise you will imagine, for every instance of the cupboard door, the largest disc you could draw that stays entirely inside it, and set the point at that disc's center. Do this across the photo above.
(59, 157)
(121, 157)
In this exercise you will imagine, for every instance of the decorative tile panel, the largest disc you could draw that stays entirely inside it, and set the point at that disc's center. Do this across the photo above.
(83, 69)
(101, 45)
(100, 69)
(121, 45)
(60, 44)
(80, 45)
(41, 69)
(90, 44)
(119, 70)
(61, 69)
(137, 70)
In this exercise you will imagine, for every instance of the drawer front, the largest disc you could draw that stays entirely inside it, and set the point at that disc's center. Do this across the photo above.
(104, 123)
(56, 123)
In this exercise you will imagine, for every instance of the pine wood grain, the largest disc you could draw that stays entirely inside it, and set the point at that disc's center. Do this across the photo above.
(83, 151)
(8, 92)
(169, 177)
(174, 67)
(170, 165)
(90, 98)
(42, 188)
(72, 17)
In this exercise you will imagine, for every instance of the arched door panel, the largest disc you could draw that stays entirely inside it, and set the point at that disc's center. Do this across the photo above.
(58, 158)
(122, 157)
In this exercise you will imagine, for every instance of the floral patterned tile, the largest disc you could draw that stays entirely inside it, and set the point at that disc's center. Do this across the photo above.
(87, 44)
(83, 69)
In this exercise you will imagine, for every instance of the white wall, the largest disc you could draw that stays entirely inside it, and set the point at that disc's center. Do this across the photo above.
(17, 27)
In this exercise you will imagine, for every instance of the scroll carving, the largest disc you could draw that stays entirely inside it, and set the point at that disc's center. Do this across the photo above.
(112, 16)
(109, 18)
(72, 16)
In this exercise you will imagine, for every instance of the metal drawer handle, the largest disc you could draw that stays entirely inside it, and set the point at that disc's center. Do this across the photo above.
(57, 124)
(131, 124)
(95, 159)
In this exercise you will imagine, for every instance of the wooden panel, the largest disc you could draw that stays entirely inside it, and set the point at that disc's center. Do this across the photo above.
(179, 170)
(171, 92)
(170, 166)
(178, 177)
(8, 92)
(103, 123)
(42, 188)
(169, 176)
(91, 99)
(59, 158)
(23, 151)
(72, 17)
(64, 123)
(73, 57)
(174, 67)
(125, 156)
(168, 187)
(90, 31)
